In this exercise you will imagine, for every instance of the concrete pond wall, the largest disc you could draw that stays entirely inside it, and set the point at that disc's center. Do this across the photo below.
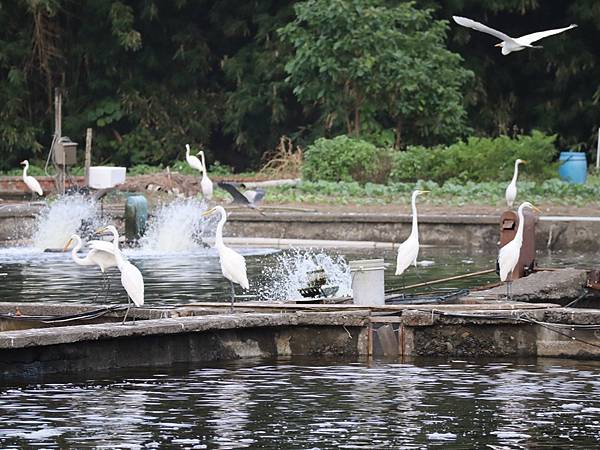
(467, 231)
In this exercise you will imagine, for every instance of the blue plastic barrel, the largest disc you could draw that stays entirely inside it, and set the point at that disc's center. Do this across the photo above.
(573, 167)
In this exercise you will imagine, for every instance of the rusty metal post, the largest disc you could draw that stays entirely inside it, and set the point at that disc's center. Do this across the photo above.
(509, 221)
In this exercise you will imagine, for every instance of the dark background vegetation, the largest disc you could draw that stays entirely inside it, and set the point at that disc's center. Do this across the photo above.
(150, 76)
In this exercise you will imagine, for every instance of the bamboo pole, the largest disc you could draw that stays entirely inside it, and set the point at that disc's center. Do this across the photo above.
(442, 280)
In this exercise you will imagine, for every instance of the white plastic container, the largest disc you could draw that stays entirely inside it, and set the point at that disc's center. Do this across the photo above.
(367, 282)
(102, 177)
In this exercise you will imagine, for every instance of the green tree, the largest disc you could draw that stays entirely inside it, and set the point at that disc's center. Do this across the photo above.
(364, 63)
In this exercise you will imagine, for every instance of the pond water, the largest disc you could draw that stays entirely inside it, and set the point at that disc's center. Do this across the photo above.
(296, 404)
(28, 274)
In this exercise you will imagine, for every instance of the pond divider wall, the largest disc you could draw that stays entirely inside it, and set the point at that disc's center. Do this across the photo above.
(467, 231)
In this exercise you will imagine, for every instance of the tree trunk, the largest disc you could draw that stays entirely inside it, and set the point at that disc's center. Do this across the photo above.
(398, 134)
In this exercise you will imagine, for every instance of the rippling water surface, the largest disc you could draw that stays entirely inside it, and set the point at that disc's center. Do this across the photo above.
(314, 404)
(28, 274)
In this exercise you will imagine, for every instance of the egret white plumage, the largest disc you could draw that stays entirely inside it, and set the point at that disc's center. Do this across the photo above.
(233, 265)
(32, 183)
(101, 254)
(509, 254)
(508, 43)
(192, 160)
(131, 278)
(511, 189)
(206, 185)
(409, 249)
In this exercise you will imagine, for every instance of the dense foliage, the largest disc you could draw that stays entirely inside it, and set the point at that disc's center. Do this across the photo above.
(345, 159)
(371, 67)
(151, 75)
(478, 159)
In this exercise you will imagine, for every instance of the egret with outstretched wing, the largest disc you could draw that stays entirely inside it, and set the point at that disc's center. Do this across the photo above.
(508, 43)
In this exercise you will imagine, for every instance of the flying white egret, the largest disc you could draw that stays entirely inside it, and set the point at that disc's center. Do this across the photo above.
(511, 189)
(509, 254)
(409, 249)
(101, 254)
(508, 43)
(32, 183)
(192, 160)
(131, 278)
(206, 185)
(233, 265)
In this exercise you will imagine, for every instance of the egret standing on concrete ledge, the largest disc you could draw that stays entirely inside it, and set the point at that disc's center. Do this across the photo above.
(409, 249)
(511, 189)
(32, 183)
(509, 44)
(233, 265)
(509, 254)
(131, 278)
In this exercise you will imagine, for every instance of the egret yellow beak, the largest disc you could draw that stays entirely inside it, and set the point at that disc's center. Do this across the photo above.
(67, 245)
(498, 45)
(22, 162)
(209, 212)
(425, 192)
(536, 209)
(523, 161)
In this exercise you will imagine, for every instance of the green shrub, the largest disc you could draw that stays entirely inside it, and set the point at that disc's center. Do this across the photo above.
(345, 159)
(478, 159)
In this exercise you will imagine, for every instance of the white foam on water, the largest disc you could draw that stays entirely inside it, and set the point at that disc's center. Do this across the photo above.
(176, 227)
(291, 272)
(64, 217)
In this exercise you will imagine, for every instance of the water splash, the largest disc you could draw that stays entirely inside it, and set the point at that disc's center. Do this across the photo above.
(67, 215)
(176, 227)
(291, 272)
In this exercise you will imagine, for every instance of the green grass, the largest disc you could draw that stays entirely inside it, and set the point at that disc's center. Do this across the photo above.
(485, 193)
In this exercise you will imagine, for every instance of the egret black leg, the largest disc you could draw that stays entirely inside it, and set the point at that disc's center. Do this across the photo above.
(232, 294)
(509, 290)
(107, 290)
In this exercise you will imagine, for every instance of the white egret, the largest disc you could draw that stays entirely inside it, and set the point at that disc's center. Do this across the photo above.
(131, 278)
(206, 185)
(409, 249)
(101, 255)
(192, 160)
(511, 189)
(508, 43)
(233, 265)
(32, 183)
(509, 254)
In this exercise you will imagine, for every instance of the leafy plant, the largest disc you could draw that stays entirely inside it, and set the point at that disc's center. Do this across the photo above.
(478, 159)
(345, 159)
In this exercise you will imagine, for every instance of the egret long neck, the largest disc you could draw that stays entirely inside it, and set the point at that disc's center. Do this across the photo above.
(203, 164)
(219, 235)
(415, 227)
(519, 235)
(516, 173)
(25, 170)
(76, 249)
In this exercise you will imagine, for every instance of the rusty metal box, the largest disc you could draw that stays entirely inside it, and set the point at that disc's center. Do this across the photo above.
(65, 152)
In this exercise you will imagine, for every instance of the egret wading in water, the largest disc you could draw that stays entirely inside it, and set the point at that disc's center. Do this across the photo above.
(509, 254)
(511, 189)
(233, 265)
(206, 185)
(131, 278)
(508, 43)
(409, 249)
(101, 254)
(32, 183)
